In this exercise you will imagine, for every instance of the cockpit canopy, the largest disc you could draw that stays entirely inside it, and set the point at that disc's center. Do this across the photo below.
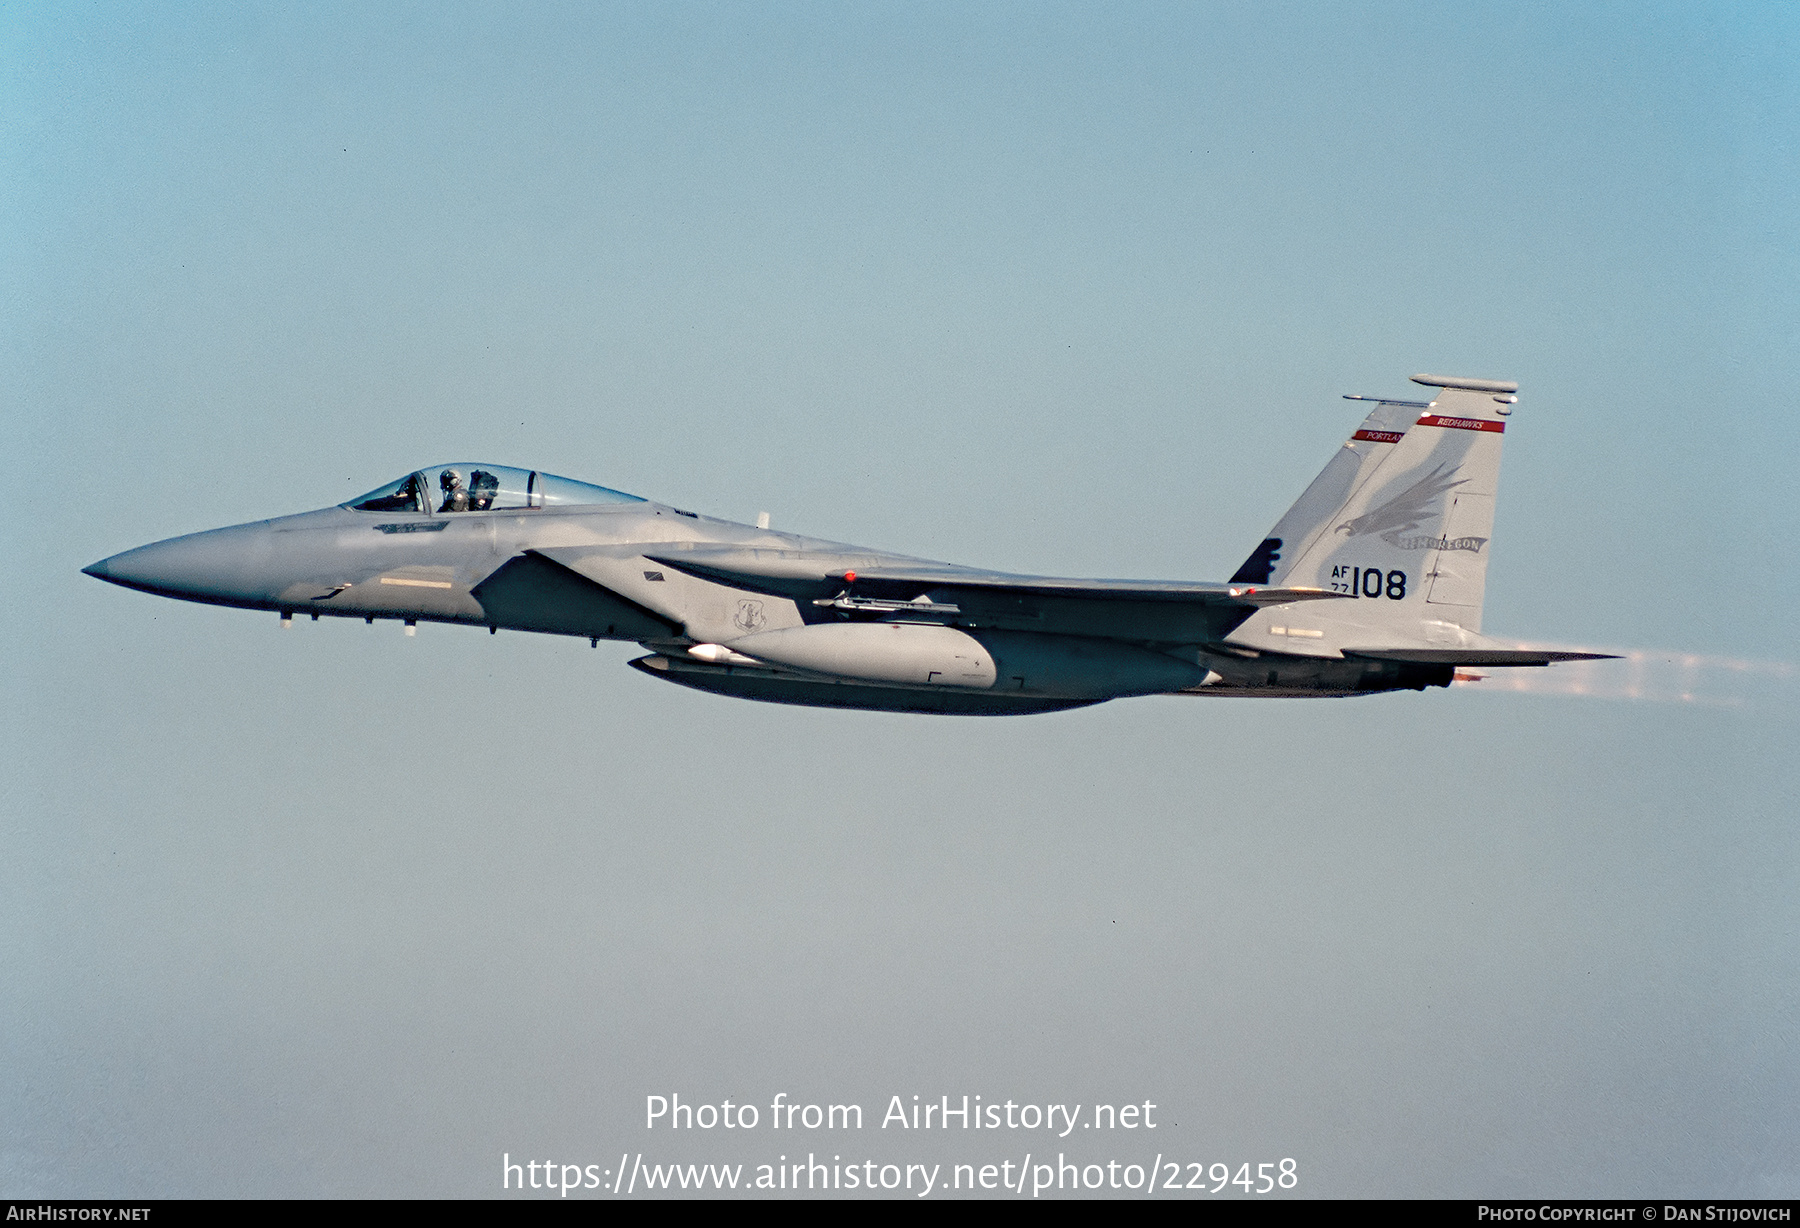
(483, 488)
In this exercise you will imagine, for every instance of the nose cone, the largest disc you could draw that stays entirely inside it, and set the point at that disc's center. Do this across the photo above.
(224, 567)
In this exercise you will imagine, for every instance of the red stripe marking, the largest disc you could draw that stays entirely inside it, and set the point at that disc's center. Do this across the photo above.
(1463, 424)
(1379, 436)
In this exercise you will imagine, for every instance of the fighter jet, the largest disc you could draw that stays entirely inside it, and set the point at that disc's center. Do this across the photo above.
(1371, 582)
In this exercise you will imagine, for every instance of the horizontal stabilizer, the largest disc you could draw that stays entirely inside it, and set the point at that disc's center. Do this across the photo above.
(1475, 656)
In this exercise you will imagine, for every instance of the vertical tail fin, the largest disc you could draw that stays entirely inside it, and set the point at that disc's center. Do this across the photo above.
(1408, 539)
(1273, 561)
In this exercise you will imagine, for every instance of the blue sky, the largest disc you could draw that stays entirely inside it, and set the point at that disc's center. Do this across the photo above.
(1062, 289)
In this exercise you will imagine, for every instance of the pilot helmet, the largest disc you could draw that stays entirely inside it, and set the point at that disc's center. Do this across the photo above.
(450, 479)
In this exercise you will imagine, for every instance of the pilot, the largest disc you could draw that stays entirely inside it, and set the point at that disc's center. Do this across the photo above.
(483, 486)
(456, 496)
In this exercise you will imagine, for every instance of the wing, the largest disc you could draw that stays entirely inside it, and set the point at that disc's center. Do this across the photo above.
(1150, 611)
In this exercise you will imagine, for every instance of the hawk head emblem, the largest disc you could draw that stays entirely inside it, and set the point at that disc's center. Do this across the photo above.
(1408, 509)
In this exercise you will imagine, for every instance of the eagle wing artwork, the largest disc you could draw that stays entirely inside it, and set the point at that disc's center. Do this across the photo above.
(1371, 582)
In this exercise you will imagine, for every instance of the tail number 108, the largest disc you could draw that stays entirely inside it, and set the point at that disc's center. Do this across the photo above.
(1369, 582)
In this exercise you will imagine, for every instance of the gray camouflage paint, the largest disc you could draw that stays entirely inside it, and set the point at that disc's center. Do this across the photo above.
(750, 612)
